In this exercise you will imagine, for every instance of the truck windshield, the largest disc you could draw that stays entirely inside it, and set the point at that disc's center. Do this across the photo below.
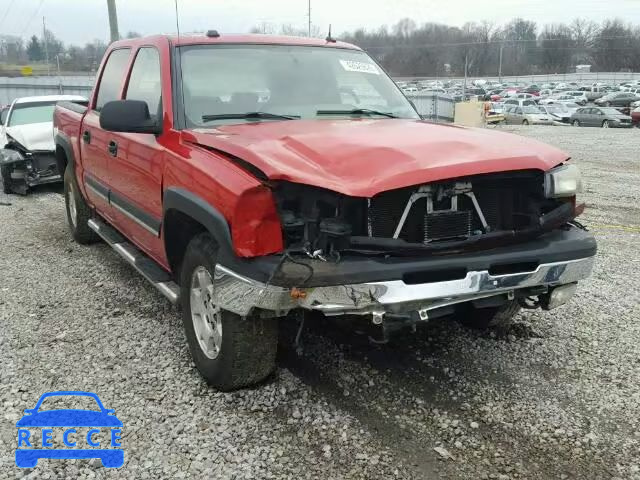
(294, 81)
(27, 113)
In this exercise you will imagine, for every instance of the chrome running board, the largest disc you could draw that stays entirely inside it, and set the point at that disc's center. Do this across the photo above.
(147, 267)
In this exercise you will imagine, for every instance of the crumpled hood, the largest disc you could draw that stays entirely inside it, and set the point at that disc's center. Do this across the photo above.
(364, 157)
(35, 136)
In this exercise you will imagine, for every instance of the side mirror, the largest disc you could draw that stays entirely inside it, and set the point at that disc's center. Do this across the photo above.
(130, 116)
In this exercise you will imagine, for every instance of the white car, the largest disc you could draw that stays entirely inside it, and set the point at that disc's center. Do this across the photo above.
(27, 148)
(579, 97)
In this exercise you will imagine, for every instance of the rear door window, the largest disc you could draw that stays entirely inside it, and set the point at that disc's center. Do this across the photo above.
(144, 82)
(112, 76)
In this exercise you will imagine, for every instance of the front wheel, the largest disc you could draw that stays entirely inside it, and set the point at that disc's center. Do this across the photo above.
(230, 351)
(525, 122)
(78, 212)
(576, 123)
(605, 124)
(489, 317)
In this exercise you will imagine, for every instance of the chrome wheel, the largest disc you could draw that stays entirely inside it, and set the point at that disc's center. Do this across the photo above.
(605, 124)
(205, 314)
(73, 210)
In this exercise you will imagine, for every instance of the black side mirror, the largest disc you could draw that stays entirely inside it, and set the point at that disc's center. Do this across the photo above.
(130, 116)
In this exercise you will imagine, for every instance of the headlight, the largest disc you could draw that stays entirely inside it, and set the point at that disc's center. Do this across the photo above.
(563, 181)
(8, 155)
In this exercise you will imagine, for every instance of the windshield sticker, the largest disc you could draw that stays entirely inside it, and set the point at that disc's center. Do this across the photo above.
(362, 67)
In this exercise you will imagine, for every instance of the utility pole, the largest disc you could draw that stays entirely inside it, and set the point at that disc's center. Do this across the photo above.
(309, 10)
(113, 20)
(464, 86)
(46, 46)
(500, 65)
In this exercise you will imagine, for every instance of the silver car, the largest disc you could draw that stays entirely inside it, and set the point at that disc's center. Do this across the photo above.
(605, 117)
(526, 115)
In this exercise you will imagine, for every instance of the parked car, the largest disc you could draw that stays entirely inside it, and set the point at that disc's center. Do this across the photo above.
(27, 149)
(558, 97)
(635, 117)
(604, 117)
(559, 114)
(593, 92)
(579, 97)
(244, 210)
(617, 99)
(520, 102)
(526, 115)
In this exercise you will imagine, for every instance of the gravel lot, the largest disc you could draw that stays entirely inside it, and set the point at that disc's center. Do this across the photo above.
(557, 397)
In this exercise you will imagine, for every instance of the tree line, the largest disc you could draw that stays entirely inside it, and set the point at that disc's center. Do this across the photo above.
(519, 47)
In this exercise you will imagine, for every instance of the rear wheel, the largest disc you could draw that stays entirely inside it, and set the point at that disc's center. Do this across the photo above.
(78, 212)
(576, 123)
(525, 122)
(230, 351)
(490, 317)
(605, 124)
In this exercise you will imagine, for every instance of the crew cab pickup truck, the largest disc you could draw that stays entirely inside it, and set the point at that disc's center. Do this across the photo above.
(249, 177)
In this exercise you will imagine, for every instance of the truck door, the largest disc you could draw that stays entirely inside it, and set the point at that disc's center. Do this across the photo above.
(136, 160)
(93, 140)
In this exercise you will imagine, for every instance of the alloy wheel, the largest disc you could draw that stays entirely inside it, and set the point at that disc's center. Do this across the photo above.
(205, 314)
(73, 209)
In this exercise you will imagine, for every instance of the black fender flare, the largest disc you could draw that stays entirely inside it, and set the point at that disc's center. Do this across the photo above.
(64, 142)
(204, 213)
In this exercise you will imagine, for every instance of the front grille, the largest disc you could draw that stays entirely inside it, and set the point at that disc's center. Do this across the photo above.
(505, 201)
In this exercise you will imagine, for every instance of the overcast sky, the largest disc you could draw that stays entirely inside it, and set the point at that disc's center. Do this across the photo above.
(79, 21)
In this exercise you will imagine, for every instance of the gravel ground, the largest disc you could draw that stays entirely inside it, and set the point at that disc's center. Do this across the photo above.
(556, 397)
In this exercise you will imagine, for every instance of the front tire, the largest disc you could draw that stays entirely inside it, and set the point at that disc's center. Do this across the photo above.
(6, 180)
(490, 317)
(605, 124)
(525, 122)
(230, 351)
(78, 212)
(576, 123)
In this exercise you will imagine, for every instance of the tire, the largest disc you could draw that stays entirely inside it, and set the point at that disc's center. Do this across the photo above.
(607, 104)
(605, 124)
(576, 123)
(239, 351)
(6, 179)
(525, 122)
(490, 317)
(78, 212)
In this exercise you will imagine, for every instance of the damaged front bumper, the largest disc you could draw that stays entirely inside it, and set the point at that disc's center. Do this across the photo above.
(241, 294)
(22, 170)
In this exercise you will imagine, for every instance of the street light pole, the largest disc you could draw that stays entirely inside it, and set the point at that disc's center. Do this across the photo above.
(309, 12)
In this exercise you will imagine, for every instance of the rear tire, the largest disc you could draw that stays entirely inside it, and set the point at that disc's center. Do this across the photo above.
(605, 124)
(525, 122)
(490, 317)
(78, 212)
(230, 351)
(576, 123)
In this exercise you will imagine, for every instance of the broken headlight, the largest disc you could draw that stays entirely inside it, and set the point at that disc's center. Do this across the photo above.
(8, 155)
(562, 181)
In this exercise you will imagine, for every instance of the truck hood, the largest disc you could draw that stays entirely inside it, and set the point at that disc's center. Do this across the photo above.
(364, 157)
(35, 136)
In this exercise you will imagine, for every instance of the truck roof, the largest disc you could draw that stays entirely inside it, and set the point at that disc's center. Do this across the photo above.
(224, 39)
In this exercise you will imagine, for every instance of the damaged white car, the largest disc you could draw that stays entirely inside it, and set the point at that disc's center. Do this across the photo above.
(27, 154)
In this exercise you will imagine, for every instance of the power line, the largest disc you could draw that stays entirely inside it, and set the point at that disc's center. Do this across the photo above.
(6, 12)
(32, 17)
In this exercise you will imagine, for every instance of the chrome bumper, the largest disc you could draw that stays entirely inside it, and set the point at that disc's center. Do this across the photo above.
(241, 295)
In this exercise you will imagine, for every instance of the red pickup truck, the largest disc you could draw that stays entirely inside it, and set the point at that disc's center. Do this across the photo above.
(248, 177)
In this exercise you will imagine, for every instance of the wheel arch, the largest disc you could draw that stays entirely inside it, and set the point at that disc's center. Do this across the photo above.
(186, 215)
(64, 152)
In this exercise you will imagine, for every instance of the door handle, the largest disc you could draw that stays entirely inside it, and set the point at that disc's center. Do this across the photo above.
(113, 148)
(86, 136)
